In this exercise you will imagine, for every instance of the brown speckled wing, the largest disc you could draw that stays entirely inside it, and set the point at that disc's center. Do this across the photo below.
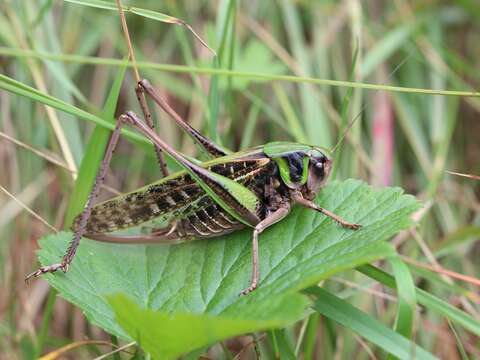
(177, 196)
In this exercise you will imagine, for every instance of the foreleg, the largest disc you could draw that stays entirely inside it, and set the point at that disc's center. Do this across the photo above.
(298, 198)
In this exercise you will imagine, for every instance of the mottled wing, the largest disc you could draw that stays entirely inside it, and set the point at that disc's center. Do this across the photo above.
(175, 197)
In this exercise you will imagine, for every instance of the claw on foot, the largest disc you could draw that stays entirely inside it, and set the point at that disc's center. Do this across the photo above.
(47, 269)
(248, 290)
(353, 226)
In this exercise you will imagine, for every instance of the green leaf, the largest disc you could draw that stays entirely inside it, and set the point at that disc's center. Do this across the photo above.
(182, 331)
(368, 327)
(206, 276)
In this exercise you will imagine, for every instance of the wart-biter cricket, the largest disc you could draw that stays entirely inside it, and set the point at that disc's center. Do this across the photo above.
(252, 188)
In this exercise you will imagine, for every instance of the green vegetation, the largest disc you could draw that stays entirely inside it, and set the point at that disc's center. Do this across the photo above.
(298, 71)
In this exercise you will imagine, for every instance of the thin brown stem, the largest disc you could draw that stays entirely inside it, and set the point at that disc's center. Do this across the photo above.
(140, 94)
(131, 53)
(30, 211)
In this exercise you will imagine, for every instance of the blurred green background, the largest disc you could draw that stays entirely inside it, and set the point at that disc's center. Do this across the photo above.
(405, 139)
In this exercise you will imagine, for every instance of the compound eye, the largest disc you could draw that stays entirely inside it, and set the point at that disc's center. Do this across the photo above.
(320, 168)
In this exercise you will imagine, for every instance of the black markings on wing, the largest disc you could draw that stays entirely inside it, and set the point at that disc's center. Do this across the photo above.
(179, 196)
(132, 209)
(207, 220)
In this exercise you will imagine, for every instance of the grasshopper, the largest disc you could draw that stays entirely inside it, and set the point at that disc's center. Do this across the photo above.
(253, 188)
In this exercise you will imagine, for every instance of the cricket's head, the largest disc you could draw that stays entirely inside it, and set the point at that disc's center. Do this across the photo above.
(318, 170)
(302, 167)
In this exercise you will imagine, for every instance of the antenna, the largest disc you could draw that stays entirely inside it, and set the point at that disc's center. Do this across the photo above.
(355, 118)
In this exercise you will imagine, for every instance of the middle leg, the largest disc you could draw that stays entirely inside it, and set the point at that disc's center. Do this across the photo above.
(273, 218)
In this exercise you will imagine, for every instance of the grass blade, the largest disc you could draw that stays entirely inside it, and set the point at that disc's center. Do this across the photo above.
(21, 89)
(406, 297)
(429, 301)
(146, 13)
(94, 153)
(368, 327)
(233, 73)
